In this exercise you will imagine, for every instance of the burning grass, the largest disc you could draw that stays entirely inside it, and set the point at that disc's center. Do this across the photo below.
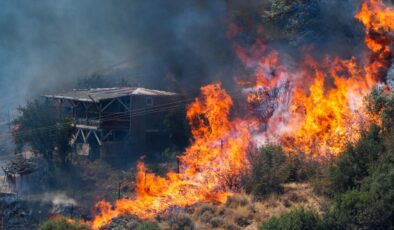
(218, 151)
(241, 211)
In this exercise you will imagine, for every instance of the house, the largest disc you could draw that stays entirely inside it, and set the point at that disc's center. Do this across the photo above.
(114, 119)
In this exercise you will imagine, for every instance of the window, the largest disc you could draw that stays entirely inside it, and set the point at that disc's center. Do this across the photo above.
(149, 101)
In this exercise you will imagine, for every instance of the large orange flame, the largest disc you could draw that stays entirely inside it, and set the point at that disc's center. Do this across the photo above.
(378, 20)
(315, 107)
(323, 108)
(376, 16)
(208, 166)
(330, 113)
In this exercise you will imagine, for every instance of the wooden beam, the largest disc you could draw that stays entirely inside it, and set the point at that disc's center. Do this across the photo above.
(97, 138)
(83, 136)
(88, 135)
(86, 105)
(107, 105)
(74, 139)
(107, 135)
(123, 104)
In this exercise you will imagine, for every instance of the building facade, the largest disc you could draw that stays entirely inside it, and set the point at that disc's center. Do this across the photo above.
(109, 120)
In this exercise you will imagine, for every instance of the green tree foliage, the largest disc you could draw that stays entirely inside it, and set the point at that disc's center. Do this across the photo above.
(352, 165)
(370, 207)
(361, 180)
(380, 103)
(43, 130)
(302, 168)
(61, 224)
(268, 170)
(363, 176)
(298, 219)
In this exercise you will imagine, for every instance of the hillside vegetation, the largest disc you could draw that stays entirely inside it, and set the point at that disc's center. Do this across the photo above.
(360, 183)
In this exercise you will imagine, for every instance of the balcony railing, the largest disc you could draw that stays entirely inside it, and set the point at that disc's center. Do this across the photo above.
(88, 122)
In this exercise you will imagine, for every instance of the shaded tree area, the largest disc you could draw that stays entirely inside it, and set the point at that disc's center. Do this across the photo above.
(39, 127)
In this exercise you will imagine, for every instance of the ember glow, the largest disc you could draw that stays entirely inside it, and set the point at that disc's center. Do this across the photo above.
(217, 155)
(310, 106)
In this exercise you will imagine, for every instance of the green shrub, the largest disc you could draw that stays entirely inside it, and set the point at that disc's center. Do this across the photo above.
(363, 176)
(302, 168)
(301, 219)
(321, 182)
(352, 166)
(148, 225)
(269, 168)
(61, 224)
(381, 104)
(370, 207)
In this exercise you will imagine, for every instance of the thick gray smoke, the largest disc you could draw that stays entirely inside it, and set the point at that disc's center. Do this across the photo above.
(46, 45)
(166, 44)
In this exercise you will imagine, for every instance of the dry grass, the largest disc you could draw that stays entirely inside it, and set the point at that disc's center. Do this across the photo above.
(241, 211)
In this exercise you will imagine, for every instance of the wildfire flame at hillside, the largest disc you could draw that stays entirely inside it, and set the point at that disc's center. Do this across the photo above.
(218, 152)
(323, 110)
(315, 108)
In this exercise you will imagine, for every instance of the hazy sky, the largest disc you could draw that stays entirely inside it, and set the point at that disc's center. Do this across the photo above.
(47, 44)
